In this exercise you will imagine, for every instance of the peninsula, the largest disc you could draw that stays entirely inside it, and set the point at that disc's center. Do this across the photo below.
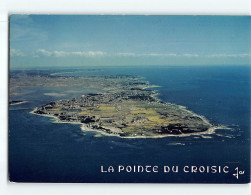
(126, 106)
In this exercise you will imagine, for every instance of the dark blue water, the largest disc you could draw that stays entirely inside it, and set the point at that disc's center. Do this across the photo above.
(42, 151)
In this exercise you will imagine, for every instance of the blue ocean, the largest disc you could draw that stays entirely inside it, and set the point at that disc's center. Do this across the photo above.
(43, 151)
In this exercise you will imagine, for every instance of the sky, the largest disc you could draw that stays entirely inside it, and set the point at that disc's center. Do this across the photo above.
(128, 40)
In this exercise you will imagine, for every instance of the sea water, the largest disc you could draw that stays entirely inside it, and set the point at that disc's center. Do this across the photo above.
(43, 151)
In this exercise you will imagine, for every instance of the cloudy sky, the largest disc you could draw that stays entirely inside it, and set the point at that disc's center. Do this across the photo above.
(48, 41)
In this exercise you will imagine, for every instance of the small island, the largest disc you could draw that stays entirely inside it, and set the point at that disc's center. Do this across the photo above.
(126, 107)
(14, 102)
